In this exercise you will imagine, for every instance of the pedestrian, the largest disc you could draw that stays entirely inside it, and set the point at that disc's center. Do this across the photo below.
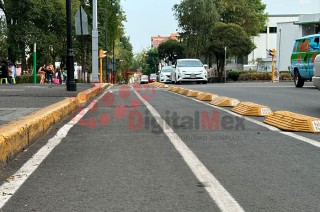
(42, 72)
(50, 72)
(10, 73)
(58, 72)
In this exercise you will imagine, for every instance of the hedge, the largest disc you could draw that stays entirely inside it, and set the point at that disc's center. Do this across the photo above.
(26, 79)
(254, 75)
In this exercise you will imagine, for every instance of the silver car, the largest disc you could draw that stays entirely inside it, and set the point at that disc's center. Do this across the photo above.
(165, 74)
(189, 70)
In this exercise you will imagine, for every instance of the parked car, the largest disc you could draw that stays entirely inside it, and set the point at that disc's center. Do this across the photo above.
(144, 79)
(153, 78)
(165, 74)
(189, 70)
(316, 71)
(302, 58)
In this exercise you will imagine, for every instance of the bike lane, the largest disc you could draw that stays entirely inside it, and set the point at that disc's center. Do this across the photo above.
(113, 160)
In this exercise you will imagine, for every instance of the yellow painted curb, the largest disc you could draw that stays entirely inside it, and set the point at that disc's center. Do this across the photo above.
(18, 135)
(84, 96)
(206, 96)
(223, 101)
(251, 109)
(286, 120)
(193, 93)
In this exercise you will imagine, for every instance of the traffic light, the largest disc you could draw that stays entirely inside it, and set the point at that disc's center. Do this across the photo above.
(272, 52)
(102, 53)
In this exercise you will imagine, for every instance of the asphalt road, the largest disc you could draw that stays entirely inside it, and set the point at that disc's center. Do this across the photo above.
(119, 158)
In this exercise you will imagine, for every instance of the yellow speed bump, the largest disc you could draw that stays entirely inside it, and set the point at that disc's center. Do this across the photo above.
(184, 91)
(176, 89)
(206, 96)
(286, 120)
(193, 93)
(170, 88)
(223, 101)
(162, 85)
(251, 109)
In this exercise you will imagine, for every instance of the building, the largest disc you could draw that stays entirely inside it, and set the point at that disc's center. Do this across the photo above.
(156, 40)
(267, 39)
(280, 34)
(288, 32)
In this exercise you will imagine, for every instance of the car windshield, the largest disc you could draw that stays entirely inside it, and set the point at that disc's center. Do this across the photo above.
(189, 63)
(169, 69)
(144, 77)
(153, 76)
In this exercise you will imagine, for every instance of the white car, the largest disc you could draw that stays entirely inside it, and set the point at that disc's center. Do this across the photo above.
(165, 74)
(189, 70)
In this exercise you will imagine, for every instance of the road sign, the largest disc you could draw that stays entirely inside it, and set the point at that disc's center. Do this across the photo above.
(81, 17)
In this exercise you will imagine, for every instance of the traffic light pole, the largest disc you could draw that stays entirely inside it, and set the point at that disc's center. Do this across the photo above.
(272, 68)
(272, 53)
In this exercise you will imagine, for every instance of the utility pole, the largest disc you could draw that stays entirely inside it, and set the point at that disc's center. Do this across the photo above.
(225, 64)
(71, 84)
(94, 42)
(35, 63)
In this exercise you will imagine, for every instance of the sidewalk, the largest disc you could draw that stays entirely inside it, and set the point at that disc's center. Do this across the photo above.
(19, 100)
(28, 111)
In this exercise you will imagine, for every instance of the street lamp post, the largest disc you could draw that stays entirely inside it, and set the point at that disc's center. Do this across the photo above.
(71, 84)
(225, 64)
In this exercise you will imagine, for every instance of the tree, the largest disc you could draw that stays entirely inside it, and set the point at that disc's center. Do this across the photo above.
(195, 18)
(230, 36)
(169, 47)
(152, 61)
(249, 14)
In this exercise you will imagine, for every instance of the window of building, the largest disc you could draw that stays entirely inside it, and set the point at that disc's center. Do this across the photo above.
(272, 29)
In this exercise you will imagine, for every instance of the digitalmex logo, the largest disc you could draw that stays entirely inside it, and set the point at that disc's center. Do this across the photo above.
(120, 111)
(126, 106)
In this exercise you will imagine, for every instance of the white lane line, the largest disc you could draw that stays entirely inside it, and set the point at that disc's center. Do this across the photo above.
(274, 129)
(216, 191)
(8, 188)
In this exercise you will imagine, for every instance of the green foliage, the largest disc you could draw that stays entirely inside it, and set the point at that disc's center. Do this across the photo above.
(26, 79)
(234, 75)
(285, 76)
(230, 36)
(250, 15)
(202, 33)
(195, 18)
(152, 61)
(44, 22)
(170, 46)
(255, 76)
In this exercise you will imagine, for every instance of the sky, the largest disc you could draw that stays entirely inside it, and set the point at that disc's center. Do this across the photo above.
(147, 18)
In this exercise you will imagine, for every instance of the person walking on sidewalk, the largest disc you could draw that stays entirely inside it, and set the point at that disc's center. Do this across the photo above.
(42, 73)
(58, 72)
(10, 73)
